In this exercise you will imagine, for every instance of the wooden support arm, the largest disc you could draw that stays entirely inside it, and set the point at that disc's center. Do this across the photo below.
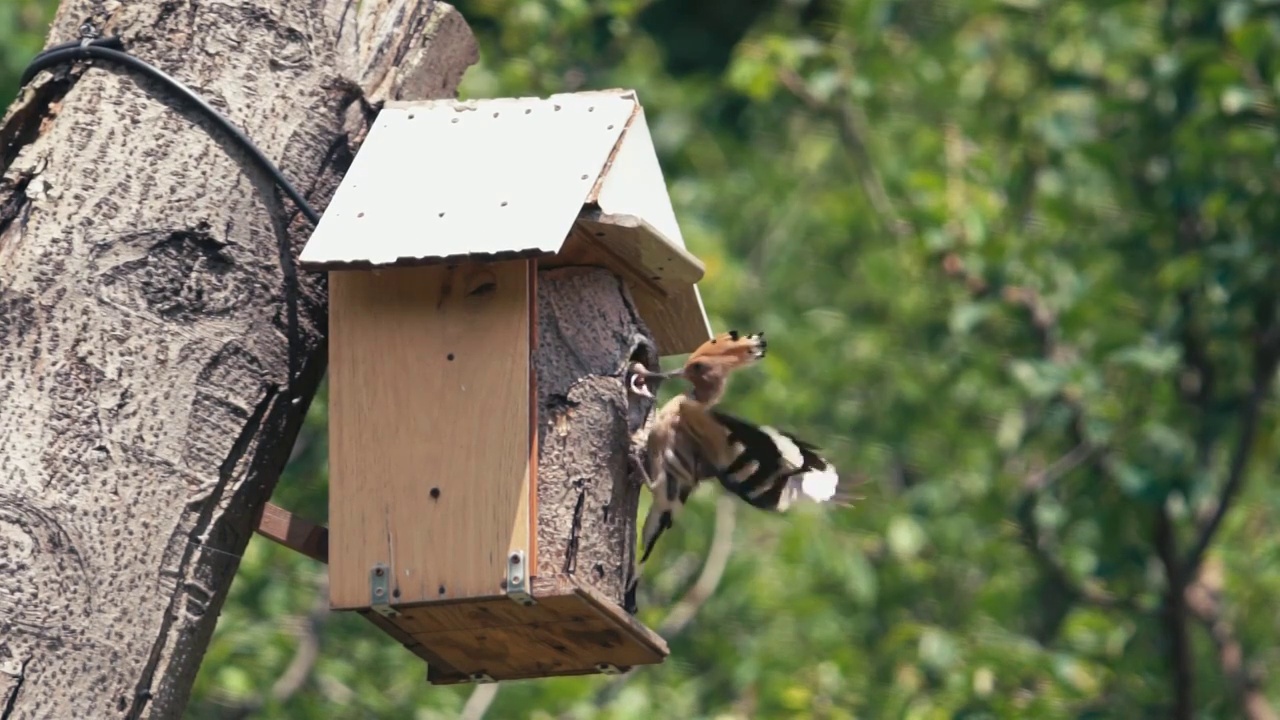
(296, 533)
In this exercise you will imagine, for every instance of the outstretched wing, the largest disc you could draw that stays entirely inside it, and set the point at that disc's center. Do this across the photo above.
(770, 468)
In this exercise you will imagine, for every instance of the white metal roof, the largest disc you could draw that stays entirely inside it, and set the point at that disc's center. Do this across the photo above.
(443, 178)
(481, 179)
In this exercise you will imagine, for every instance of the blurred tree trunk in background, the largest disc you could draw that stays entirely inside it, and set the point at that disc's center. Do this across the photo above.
(149, 387)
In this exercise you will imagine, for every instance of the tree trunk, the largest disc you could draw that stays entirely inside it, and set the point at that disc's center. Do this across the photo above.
(146, 405)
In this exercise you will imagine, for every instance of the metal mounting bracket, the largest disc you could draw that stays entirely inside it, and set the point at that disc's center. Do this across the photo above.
(518, 579)
(380, 591)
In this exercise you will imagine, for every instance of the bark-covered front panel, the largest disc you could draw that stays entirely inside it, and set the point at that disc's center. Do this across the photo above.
(588, 333)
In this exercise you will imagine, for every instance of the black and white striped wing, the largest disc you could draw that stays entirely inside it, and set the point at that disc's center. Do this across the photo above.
(771, 468)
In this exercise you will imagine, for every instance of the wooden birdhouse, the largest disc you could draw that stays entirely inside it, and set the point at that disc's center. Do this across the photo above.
(490, 264)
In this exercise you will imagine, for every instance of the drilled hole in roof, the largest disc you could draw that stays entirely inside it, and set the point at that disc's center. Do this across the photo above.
(527, 111)
(495, 114)
(591, 109)
(454, 120)
(584, 177)
(504, 203)
(449, 357)
(410, 116)
(441, 215)
(609, 128)
(557, 108)
(360, 214)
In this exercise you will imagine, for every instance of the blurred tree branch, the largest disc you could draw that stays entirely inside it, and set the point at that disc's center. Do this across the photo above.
(1175, 616)
(1204, 598)
(852, 127)
(1062, 589)
(479, 700)
(308, 629)
(1266, 358)
(683, 612)
(686, 608)
(1199, 387)
(1041, 545)
(1198, 383)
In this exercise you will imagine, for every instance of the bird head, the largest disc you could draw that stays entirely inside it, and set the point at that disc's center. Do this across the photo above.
(707, 369)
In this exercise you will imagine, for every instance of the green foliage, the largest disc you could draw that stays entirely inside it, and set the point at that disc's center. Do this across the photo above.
(1018, 263)
(23, 24)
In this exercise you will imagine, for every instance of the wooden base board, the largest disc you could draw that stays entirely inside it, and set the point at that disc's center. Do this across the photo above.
(572, 630)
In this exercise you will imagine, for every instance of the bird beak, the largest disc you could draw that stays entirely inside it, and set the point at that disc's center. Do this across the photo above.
(645, 382)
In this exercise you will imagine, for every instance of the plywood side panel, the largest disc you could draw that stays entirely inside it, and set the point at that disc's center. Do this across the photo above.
(429, 429)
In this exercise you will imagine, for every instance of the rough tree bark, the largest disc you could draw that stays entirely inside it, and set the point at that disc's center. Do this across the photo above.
(588, 495)
(146, 407)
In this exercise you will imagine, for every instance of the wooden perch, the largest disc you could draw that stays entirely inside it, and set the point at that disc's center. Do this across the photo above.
(294, 532)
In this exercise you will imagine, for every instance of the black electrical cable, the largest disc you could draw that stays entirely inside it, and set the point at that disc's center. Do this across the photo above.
(112, 49)
(113, 43)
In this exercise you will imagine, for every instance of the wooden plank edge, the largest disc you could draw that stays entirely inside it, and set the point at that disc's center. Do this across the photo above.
(637, 277)
(615, 614)
(611, 611)
(594, 193)
(294, 532)
(334, 264)
(695, 268)
(413, 645)
(533, 418)
(445, 679)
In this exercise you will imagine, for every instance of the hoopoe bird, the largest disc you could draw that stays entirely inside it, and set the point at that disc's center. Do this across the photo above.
(690, 441)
